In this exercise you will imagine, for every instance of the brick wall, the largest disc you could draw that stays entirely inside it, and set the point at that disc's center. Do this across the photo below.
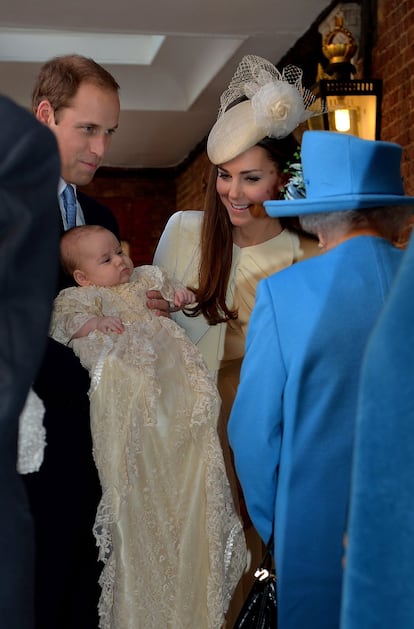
(192, 183)
(393, 62)
(142, 203)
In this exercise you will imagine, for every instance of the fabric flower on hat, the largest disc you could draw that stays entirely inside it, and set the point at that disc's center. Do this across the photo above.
(278, 108)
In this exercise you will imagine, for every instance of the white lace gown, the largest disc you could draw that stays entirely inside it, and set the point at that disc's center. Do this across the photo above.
(167, 530)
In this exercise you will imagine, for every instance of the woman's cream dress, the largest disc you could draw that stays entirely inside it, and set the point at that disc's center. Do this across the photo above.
(166, 527)
(222, 345)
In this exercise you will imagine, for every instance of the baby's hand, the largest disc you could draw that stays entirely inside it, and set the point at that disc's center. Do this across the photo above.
(183, 297)
(109, 325)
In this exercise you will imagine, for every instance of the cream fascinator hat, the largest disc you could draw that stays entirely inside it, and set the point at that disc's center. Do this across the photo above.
(277, 103)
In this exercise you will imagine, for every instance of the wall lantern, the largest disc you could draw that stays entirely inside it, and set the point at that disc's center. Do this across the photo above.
(350, 105)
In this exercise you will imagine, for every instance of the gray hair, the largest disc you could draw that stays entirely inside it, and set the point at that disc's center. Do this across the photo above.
(387, 220)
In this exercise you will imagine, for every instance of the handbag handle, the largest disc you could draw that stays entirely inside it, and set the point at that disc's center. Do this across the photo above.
(265, 570)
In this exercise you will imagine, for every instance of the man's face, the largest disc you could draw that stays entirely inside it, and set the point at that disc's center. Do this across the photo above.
(84, 131)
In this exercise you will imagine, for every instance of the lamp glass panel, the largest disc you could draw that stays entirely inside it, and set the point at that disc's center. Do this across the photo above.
(316, 122)
(362, 112)
(342, 120)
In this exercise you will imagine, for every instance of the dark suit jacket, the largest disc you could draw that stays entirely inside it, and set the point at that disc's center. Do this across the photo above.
(29, 173)
(97, 214)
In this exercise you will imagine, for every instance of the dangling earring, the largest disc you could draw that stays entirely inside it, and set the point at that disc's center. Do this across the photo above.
(257, 211)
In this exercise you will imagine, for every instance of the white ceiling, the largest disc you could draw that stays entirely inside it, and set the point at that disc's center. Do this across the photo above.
(170, 91)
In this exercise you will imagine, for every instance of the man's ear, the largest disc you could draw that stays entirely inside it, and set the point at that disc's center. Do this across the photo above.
(80, 278)
(45, 113)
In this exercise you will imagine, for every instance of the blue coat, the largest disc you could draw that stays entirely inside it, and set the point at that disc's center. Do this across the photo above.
(378, 581)
(292, 423)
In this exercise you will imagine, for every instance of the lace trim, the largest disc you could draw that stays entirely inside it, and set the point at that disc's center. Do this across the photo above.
(32, 435)
(97, 372)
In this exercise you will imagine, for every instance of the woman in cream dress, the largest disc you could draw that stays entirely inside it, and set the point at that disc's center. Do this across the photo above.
(167, 530)
(224, 251)
(222, 345)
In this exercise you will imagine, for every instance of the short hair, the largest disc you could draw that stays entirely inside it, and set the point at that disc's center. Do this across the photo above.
(60, 78)
(69, 252)
(387, 220)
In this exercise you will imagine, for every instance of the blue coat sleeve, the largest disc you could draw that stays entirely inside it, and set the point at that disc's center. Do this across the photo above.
(255, 424)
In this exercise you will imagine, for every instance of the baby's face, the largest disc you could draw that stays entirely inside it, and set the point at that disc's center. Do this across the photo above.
(103, 262)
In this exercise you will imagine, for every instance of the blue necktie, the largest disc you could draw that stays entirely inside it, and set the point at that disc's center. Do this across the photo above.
(69, 201)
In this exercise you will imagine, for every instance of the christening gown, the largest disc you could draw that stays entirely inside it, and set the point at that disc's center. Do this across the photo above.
(168, 533)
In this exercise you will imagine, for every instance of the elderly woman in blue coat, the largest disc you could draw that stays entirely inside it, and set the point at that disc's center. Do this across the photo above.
(292, 424)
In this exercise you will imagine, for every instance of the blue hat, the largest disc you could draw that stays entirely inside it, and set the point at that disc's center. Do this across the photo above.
(344, 172)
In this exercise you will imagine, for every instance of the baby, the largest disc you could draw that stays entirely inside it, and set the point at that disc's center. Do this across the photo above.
(166, 527)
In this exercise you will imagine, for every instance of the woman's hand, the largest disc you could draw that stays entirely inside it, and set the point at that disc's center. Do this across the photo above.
(157, 303)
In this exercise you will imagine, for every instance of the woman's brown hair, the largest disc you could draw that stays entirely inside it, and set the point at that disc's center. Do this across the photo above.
(217, 240)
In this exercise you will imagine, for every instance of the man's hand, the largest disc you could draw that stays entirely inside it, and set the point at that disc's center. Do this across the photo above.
(157, 303)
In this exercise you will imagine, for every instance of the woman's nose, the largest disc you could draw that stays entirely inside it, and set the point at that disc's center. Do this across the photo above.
(234, 189)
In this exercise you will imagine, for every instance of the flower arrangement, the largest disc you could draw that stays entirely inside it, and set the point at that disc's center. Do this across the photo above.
(295, 186)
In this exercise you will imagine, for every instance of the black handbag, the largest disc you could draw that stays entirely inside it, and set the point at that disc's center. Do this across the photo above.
(259, 611)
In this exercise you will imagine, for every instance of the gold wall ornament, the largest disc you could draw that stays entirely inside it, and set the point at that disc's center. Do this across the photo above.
(339, 45)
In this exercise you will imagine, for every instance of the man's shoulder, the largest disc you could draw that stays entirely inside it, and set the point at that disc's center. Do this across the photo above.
(96, 213)
(90, 204)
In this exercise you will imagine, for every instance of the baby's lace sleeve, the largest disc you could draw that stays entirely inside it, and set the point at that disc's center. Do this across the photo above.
(72, 308)
(159, 279)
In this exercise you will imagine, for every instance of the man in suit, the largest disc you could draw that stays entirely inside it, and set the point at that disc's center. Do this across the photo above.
(77, 99)
(29, 173)
(292, 423)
